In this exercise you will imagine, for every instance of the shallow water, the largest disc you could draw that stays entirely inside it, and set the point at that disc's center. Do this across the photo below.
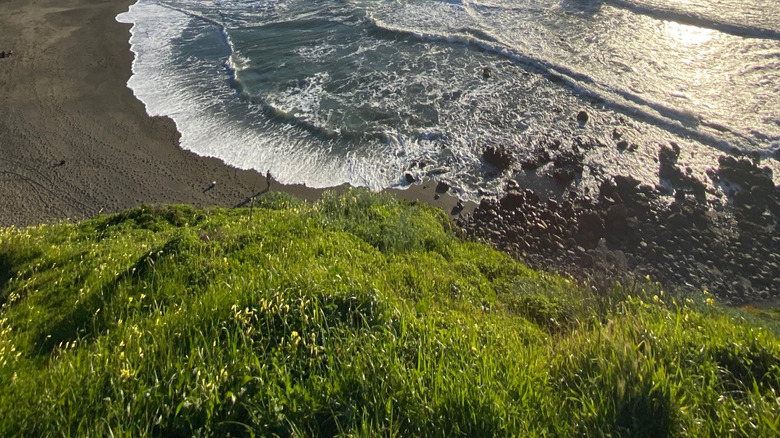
(358, 91)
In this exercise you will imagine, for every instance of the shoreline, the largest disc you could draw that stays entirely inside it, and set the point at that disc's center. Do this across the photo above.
(76, 142)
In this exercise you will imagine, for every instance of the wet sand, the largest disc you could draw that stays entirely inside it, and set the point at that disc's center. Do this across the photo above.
(74, 140)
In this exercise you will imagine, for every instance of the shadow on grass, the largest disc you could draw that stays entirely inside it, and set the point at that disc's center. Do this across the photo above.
(11, 257)
(94, 314)
(743, 364)
(5, 274)
(644, 412)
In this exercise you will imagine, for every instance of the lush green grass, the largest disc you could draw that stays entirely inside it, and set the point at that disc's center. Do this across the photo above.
(357, 316)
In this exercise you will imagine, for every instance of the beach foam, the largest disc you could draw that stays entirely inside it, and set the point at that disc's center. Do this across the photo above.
(361, 92)
(211, 117)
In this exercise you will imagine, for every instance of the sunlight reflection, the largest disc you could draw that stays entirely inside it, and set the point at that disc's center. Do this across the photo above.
(688, 35)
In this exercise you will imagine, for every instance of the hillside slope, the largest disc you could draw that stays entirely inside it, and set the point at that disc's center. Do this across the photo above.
(355, 316)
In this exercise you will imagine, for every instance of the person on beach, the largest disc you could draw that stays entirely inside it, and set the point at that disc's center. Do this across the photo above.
(5, 54)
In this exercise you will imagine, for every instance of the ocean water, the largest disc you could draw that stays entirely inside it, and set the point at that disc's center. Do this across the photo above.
(325, 92)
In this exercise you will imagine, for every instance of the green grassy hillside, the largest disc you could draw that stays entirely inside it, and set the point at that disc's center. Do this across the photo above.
(355, 316)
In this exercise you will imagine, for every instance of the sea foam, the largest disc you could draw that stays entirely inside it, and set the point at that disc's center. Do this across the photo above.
(362, 92)
(213, 120)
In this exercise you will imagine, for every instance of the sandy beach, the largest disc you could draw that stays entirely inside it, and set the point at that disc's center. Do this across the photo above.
(74, 140)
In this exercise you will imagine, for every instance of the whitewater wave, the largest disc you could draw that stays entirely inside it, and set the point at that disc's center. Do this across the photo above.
(362, 92)
(751, 21)
(201, 99)
(452, 21)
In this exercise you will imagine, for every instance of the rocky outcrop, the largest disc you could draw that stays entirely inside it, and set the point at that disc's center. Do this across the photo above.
(633, 230)
(500, 158)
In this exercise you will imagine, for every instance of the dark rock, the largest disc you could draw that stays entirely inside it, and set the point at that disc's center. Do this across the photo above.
(438, 171)
(774, 207)
(680, 220)
(682, 182)
(622, 145)
(543, 157)
(760, 196)
(670, 154)
(607, 189)
(626, 185)
(646, 189)
(668, 160)
(742, 198)
(587, 260)
(583, 143)
(442, 187)
(530, 164)
(409, 178)
(591, 222)
(583, 117)
(499, 158)
(531, 197)
(487, 204)
(487, 73)
(616, 218)
(563, 176)
(745, 173)
(512, 201)
(457, 208)
(568, 159)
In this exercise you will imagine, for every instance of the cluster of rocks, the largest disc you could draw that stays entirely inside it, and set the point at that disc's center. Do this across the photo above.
(567, 164)
(629, 229)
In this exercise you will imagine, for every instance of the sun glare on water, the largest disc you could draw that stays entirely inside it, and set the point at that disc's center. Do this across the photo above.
(687, 35)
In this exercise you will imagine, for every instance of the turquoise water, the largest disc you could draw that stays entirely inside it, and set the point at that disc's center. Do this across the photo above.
(327, 92)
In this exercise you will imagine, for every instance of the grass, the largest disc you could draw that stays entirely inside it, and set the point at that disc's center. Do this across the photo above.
(354, 316)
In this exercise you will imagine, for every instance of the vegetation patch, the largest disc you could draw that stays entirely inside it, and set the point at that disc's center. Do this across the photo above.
(355, 316)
